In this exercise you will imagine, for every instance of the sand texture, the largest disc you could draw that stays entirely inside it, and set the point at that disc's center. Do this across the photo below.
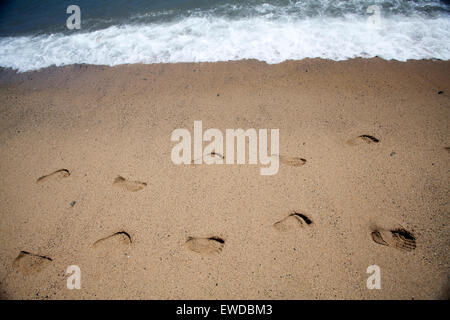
(87, 180)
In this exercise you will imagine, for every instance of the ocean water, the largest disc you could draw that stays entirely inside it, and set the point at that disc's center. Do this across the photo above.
(34, 35)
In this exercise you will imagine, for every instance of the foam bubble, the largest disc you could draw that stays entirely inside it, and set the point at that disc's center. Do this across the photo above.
(206, 38)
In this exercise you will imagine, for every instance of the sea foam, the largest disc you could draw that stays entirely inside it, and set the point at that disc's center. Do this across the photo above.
(208, 38)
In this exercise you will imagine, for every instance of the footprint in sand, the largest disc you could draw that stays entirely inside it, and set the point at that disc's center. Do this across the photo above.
(205, 245)
(294, 220)
(118, 239)
(29, 263)
(292, 161)
(365, 138)
(58, 174)
(400, 239)
(129, 185)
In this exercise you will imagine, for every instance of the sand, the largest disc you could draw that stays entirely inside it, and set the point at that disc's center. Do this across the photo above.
(363, 180)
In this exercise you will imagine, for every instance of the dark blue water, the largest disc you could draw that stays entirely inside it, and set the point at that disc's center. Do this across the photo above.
(29, 17)
(25, 17)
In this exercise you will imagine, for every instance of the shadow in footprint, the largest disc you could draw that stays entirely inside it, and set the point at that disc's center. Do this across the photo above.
(129, 185)
(29, 263)
(294, 220)
(400, 239)
(58, 174)
(117, 239)
(205, 245)
(365, 138)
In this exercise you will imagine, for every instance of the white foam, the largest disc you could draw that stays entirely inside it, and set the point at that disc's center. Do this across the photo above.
(208, 38)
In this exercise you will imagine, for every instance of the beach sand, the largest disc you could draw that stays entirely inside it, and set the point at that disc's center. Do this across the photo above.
(87, 180)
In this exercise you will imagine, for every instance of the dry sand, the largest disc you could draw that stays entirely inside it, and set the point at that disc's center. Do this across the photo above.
(139, 226)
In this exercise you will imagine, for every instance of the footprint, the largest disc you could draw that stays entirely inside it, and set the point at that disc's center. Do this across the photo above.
(29, 263)
(292, 161)
(129, 185)
(115, 240)
(363, 138)
(58, 174)
(294, 220)
(400, 239)
(205, 245)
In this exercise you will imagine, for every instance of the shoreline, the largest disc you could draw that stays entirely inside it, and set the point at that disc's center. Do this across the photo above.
(10, 70)
(303, 233)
